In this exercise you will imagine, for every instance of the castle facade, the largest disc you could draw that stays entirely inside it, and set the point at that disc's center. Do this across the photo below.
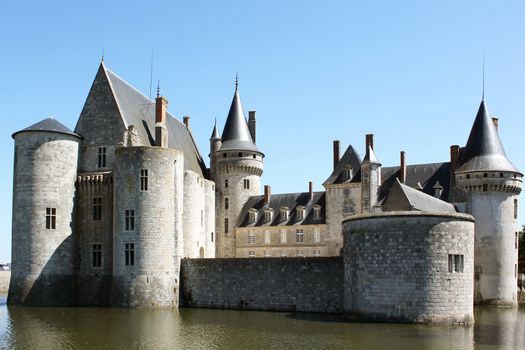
(103, 215)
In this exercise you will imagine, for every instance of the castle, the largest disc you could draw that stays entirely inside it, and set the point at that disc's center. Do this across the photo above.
(104, 215)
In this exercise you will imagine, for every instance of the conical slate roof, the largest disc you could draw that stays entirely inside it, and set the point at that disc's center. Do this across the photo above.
(48, 124)
(236, 135)
(484, 151)
(215, 133)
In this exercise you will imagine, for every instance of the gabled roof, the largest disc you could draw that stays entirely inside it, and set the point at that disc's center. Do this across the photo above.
(484, 151)
(370, 156)
(402, 197)
(136, 109)
(236, 134)
(289, 200)
(48, 124)
(350, 158)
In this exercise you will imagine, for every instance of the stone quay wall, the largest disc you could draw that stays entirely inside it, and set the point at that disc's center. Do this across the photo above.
(274, 284)
(5, 276)
(402, 267)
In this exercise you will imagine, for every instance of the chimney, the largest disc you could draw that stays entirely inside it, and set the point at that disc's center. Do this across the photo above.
(251, 124)
(495, 121)
(311, 189)
(186, 121)
(402, 167)
(454, 158)
(369, 141)
(161, 132)
(267, 194)
(337, 146)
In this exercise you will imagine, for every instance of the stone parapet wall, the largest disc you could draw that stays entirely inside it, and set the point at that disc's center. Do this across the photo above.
(5, 276)
(274, 284)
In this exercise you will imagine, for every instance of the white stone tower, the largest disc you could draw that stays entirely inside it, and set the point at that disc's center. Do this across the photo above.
(370, 177)
(492, 184)
(43, 251)
(237, 167)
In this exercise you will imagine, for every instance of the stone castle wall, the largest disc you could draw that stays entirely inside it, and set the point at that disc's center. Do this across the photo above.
(5, 276)
(397, 267)
(276, 284)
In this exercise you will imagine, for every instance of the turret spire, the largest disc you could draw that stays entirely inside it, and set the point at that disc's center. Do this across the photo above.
(236, 81)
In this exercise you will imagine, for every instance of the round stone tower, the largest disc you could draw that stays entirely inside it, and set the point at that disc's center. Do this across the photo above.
(43, 254)
(147, 227)
(238, 168)
(492, 184)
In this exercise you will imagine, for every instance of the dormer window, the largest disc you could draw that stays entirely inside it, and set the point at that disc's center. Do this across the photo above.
(300, 213)
(268, 214)
(252, 215)
(284, 213)
(347, 173)
(317, 211)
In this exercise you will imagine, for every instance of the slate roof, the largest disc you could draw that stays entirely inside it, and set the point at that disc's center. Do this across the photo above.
(484, 151)
(350, 157)
(215, 133)
(403, 197)
(48, 124)
(370, 156)
(236, 134)
(138, 110)
(289, 200)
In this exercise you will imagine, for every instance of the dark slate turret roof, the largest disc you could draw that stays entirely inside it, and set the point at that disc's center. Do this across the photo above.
(350, 157)
(48, 124)
(215, 133)
(236, 134)
(289, 200)
(403, 197)
(484, 151)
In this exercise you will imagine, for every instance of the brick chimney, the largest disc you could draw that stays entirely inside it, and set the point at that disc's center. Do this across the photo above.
(495, 121)
(454, 159)
(161, 132)
(267, 194)
(186, 121)
(402, 167)
(311, 189)
(337, 149)
(369, 141)
(251, 124)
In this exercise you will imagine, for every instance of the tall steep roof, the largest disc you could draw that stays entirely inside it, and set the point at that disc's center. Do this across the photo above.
(484, 151)
(349, 158)
(236, 134)
(215, 133)
(48, 124)
(402, 197)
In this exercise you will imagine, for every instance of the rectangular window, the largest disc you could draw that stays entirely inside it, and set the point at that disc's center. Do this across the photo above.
(267, 254)
(317, 235)
(516, 240)
(251, 254)
(515, 270)
(300, 253)
(226, 204)
(212, 236)
(51, 218)
(130, 220)
(246, 183)
(251, 238)
(299, 236)
(129, 254)
(283, 236)
(101, 157)
(267, 237)
(96, 256)
(515, 209)
(226, 183)
(97, 208)
(283, 253)
(317, 252)
(226, 226)
(144, 179)
(455, 263)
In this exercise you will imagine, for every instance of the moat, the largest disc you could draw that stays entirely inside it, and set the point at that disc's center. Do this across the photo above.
(87, 328)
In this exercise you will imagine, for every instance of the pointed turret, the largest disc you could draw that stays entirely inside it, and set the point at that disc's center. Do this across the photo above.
(236, 134)
(215, 144)
(215, 133)
(484, 151)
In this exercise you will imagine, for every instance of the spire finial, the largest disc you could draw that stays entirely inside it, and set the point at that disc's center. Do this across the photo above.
(483, 82)
(102, 59)
(236, 80)
(215, 121)
(158, 88)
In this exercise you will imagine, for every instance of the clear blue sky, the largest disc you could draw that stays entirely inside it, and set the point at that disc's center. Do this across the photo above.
(315, 71)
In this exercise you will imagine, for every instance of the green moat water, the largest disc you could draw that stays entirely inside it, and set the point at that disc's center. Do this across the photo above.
(84, 328)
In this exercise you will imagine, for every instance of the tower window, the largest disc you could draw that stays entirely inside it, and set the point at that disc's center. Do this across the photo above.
(224, 155)
(516, 240)
(254, 156)
(246, 183)
(130, 220)
(485, 187)
(143, 179)
(96, 255)
(515, 208)
(129, 254)
(226, 183)
(299, 235)
(226, 203)
(51, 218)
(101, 157)
(211, 236)
(97, 208)
(455, 263)
(240, 154)
(226, 225)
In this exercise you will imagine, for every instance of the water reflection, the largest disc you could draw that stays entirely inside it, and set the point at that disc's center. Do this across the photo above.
(77, 328)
